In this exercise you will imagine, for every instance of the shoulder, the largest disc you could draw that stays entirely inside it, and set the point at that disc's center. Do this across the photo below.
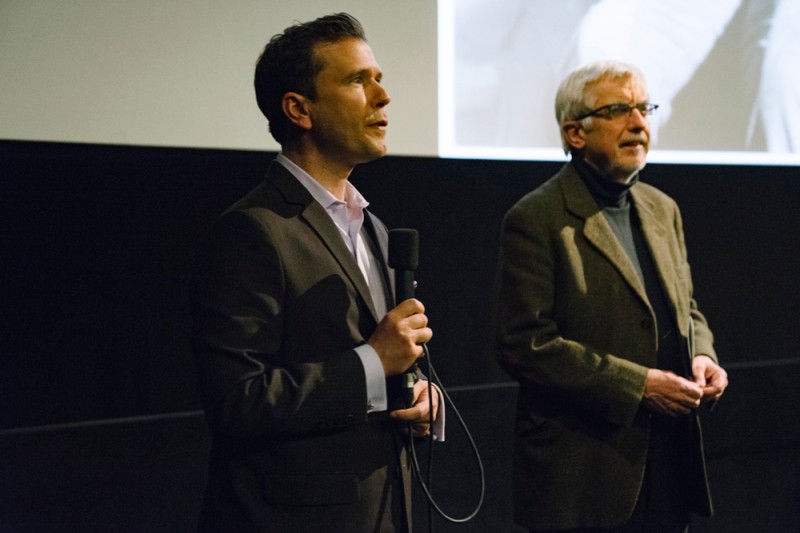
(553, 200)
(656, 199)
(263, 212)
(653, 193)
(548, 194)
(279, 199)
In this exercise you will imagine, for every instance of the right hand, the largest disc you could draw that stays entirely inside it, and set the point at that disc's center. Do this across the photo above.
(669, 394)
(399, 337)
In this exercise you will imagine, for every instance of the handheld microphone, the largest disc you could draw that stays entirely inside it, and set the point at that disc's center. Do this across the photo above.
(404, 259)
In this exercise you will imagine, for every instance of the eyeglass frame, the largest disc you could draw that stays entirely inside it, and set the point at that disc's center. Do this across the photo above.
(645, 108)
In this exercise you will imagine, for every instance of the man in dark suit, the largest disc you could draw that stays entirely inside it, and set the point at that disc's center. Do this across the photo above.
(597, 321)
(297, 339)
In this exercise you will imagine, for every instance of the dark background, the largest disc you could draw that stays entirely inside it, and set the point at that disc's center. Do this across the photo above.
(100, 427)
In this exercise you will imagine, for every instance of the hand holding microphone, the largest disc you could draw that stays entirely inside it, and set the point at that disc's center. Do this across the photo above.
(399, 337)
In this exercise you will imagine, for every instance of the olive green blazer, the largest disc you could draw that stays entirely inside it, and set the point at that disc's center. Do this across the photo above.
(574, 326)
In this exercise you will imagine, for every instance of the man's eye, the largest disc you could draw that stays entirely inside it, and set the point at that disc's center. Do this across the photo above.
(619, 109)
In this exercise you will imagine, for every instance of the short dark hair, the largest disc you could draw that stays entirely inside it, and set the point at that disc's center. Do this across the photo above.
(288, 64)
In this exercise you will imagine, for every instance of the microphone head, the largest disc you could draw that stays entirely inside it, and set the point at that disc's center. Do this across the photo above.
(403, 249)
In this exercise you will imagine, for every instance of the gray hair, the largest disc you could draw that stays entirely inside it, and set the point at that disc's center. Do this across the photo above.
(572, 100)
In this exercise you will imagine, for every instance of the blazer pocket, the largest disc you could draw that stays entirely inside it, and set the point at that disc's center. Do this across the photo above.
(311, 489)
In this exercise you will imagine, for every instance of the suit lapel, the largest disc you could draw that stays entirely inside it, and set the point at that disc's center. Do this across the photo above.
(657, 237)
(320, 222)
(379, 242)
(597, 230)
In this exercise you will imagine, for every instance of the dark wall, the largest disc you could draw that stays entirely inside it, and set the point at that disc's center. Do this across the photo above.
(96, 379)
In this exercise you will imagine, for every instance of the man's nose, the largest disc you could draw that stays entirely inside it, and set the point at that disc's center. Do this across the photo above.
(638, 119)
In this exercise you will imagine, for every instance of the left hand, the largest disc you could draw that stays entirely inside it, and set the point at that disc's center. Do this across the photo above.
(710, 376)
(418, 415)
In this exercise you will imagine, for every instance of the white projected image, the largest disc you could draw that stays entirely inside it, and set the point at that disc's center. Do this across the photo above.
(725, 73)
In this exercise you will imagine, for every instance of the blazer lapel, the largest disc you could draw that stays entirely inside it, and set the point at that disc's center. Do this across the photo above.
(316, 217)
(379, 241)
(656, 236)
(597, 230)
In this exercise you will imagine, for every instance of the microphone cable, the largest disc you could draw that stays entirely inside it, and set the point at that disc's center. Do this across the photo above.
(403, 258)
(432, 504)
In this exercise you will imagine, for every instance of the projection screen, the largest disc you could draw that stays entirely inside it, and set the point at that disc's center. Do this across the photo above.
(725, 73)
(468, 78)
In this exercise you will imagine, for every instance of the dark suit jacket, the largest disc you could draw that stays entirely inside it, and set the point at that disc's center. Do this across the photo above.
(278, 305)
(575, 327)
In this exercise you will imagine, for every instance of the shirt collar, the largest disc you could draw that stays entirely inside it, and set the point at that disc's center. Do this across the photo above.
(352, 198)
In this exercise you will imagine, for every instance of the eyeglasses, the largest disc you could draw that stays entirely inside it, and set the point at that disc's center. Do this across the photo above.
(612, 111)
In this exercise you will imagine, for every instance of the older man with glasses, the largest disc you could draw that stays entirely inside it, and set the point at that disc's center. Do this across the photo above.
(596, 319)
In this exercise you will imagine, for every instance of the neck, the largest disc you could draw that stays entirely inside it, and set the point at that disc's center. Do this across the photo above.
(325, 171)
(605, 190)
(622, 180)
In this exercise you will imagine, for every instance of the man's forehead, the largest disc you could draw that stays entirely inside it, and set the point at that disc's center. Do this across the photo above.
(345, 54)
(624, 85)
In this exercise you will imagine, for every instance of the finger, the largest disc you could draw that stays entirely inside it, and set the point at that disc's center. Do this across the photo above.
(684, 405)
(410, 307)
(710, 398)
(410, 415)
(434, 402)
(719, 380)
(692, 403)
(666, 407)
(679, 409)
(417, 320)
(712, 393)
(420, 430)
(699, 374)
(424, 335)
(693, 391)
(428, 334)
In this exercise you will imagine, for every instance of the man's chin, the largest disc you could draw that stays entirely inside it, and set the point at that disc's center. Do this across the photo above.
(379, 150)
(625, 173)
(373, 154)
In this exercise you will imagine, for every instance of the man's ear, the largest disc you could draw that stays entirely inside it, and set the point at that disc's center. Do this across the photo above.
(295, 107)
(574, 134)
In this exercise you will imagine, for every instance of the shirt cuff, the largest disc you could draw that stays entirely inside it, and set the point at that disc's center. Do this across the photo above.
(375, 378)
